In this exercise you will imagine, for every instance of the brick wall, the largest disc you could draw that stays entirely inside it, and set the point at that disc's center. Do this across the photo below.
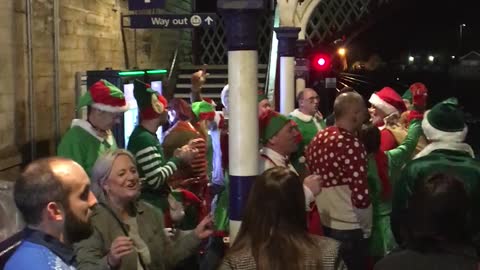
(91, 38)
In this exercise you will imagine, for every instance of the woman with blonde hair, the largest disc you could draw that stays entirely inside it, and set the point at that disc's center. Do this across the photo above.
(273, 234)
(128, 232)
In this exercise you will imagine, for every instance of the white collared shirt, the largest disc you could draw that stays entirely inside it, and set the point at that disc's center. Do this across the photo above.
(270, 158)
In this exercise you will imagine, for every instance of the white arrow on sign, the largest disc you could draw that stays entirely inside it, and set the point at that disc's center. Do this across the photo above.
(208, 20)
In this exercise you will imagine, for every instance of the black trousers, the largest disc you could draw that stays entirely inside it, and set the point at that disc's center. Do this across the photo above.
(353, 247)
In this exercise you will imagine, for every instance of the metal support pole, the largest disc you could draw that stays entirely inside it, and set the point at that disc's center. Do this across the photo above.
(302, 66)
(287, 37)
(241, 30)
(56, 70)
(31, 92)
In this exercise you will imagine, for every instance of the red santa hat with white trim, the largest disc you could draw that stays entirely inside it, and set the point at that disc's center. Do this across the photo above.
(388, 101)
(104, 96)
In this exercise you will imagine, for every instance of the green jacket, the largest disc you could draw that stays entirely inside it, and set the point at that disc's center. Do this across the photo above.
(308, 126)
(81, 144)
(165, 254)
(440, 160)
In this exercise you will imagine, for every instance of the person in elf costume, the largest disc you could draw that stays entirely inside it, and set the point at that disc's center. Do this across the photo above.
(381, 239)
(154, 169)
(280, 138)
(309, 121)
(400, 129)
(263, 103)
(193, 176)
(204, 114)
(86, 140)
(444, 127)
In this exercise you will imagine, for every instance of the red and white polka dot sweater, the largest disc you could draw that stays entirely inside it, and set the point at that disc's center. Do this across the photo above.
(340, 159)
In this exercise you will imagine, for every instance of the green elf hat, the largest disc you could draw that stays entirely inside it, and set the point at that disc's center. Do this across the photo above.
(407, 95)
(104, 96)
(270, 123)
(150, 103)
(261, 96)
(203, 110)
(445, 122)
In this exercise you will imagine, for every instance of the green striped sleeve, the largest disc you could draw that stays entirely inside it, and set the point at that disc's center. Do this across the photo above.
(153, 168)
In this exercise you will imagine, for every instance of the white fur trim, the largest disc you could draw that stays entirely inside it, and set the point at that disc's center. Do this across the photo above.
(109, 108)
(224, 96)
(300, 115)
(85, 125)
(455, 146)
(433, 134)
(382, 105)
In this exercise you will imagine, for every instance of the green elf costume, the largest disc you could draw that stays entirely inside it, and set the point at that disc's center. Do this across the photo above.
(179, 206)
(444, 126)
(153, 168)
(382, 240)
(83, 142)
(308, 125)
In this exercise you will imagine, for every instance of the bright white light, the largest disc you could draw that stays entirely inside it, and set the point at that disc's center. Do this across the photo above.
(431, 58)
(463, 25)
(342, 51)
(411, 59)
(398, 79)
(453, 56)
(321, 61)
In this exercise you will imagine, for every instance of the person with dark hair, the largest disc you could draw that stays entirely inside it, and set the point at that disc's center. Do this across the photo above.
(309, 122)
(438, 237)
(339, 158)
(54, 197)
(444, 126)
(273, 234)
(382, 240)
(87, 139)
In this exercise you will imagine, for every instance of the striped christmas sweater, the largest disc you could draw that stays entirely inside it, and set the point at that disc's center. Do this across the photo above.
(153, 168)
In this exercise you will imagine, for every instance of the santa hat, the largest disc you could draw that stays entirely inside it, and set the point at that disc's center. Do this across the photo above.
(104, 96)
(150, 103)
(203, 110)
(445, 122)
(388, 101)
(261, 96)
(417, 86)
(270, 123)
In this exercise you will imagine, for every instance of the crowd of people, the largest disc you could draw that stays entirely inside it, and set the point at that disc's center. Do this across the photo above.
(389, 187)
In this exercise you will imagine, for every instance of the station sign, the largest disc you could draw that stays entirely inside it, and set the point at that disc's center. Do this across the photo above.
(169, 21)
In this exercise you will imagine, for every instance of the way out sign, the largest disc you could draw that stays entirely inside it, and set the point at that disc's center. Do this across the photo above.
(168, 21)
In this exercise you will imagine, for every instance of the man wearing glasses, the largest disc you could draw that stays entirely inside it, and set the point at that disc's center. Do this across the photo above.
(309, 121)
(86, 140)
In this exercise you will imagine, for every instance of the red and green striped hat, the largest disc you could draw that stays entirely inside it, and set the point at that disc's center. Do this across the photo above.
(104, 96)
(270, 123)
(203, 110)
(150, 103)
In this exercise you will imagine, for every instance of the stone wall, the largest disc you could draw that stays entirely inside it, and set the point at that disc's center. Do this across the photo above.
(90, 39)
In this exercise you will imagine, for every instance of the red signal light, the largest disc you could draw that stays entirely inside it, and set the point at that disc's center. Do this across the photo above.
(321, 61)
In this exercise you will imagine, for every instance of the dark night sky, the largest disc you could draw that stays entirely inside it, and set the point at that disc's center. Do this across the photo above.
(421, 26)
(418, 26)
